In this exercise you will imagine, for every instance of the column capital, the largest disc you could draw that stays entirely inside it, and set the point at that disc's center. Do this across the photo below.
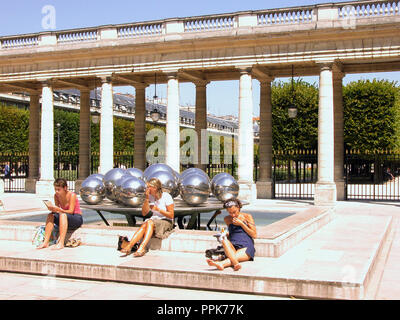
(83, 90)
(338, 73)
(46, 83)
(106, 79)
(141, 86)
(172, 75)
(266, 81)
(201, 83)
(244, 69)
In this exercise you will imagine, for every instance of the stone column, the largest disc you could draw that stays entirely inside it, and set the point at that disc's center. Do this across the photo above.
(325, 189)
(264, 183)
(339, 133)
(84, 139)
(201, 123)
(106, 126)
(34, 140)
(140, 127)
(247, 188)
(44, 187)
(172, 127)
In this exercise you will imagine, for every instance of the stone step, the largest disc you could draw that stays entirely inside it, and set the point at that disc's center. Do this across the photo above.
(335, 262)
(272, 240)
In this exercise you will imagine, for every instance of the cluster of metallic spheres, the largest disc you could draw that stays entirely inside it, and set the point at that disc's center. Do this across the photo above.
(128, 186)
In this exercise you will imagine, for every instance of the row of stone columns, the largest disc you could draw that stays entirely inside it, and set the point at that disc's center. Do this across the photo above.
(330, 134)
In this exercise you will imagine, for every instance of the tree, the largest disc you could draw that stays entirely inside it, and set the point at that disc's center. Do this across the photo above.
(371, 115)
(302, 131)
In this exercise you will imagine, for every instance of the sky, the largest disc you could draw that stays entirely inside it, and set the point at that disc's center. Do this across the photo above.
(30, 16)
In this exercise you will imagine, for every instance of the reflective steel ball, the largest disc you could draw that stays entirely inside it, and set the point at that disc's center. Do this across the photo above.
(168, 181)
(118, 186)
(193, 170)
(92, 190)
(133, 192)
(135, 172)
(150, 170)
(194, 188)
(110, 179)
(226, 187)
(216, 177)
(97, 175)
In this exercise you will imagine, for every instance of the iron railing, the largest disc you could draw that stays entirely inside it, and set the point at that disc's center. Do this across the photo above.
(294, 174)
(372, 175)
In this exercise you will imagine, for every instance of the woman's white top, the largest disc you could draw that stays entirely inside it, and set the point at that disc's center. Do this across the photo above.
(162, 204)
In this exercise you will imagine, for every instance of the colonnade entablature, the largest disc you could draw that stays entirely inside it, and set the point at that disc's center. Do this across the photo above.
(362, 35)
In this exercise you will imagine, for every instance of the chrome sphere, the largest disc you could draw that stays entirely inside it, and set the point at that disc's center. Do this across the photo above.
(226, 187)
(191, 171)
(133, 192)
(135, 172)
(92, 190)
(118, 186)
(194, 188)
(110, 179)
(150, 170)
(216, 177)
(168, 181)
(97, 175)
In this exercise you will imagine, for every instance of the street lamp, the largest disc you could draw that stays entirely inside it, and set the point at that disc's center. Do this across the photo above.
(96, 117)
(155, 114)
(58, 138)
(292, 109)
(58, 125)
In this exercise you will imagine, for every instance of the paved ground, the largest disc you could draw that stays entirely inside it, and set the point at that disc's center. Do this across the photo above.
(29, 287)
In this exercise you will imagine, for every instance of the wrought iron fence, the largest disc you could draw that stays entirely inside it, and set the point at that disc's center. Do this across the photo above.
(19, 166)
(294, 174)
(372, 175)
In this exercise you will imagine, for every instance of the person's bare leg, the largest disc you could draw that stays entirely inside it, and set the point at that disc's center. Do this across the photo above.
(230, 252)
(240, 256)
(149, 232)
(63, 227)
(47, 233)
(136, 237)
(221, 265)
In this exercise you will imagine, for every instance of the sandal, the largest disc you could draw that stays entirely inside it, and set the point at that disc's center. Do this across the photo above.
(139, 253)
(73, 243)
(76, 243)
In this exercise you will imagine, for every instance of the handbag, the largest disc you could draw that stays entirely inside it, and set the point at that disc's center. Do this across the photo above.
(38, 236)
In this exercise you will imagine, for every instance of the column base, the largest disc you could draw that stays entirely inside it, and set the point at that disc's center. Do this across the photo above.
(325, 194)
(1, 186)
(340, 192)
(45, 188)
(30, 185)
(264, 189)
(247, 191)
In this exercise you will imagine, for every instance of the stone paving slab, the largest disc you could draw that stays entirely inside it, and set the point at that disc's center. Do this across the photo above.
(335, 262)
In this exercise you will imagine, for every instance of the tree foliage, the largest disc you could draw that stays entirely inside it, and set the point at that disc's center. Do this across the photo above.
(302, 131)
(371, 115)
(14, 128)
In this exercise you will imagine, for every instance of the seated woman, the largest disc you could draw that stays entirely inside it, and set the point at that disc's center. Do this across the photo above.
(160, 223)
(239, 244)
(66, 214)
